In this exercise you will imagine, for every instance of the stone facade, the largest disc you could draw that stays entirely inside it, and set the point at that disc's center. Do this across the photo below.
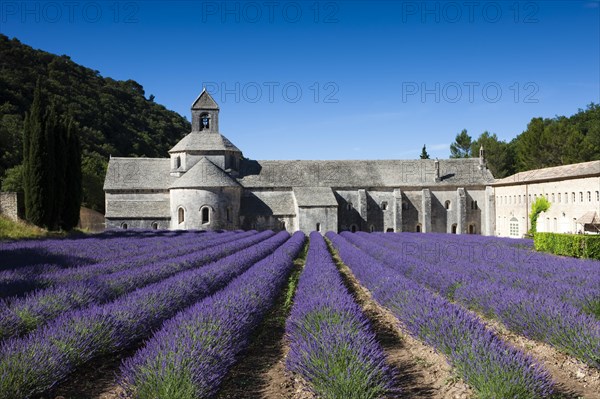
(572, 190)
(208, 184)
(12, 206)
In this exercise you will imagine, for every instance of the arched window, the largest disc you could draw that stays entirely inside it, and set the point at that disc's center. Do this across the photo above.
(566, 198)
(205, 215)
(384, 205)
(318, 228)
(418, 228)
(228, 210)
(559, 198)
(350, 206)
(471, 229)
(124, 226)
(597, 196)
(154, 226)
(447, 205)
(581, 196)
(589, 195)
(204, 121)
(454, 228)
(181, 215)
(353, 228)
(389, 230)
(553, 197)
(372, 228)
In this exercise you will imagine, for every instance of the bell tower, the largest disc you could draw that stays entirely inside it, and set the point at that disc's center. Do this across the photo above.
(205, 114)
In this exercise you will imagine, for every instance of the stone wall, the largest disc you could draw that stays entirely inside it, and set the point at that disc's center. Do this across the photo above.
(513, 205)
(12, 205)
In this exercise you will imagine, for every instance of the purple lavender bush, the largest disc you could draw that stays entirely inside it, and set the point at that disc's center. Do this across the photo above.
(497, 293)
(36, 362)
(193, 351)
(41, 306)
(492, 367)
(332, 345)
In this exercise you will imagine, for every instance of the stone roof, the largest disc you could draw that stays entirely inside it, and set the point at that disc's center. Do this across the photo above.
(577, 170)
(589, 218)
(138, 174)
(137, 209)
(268, 202)
(356, 173)
(205, 101)
(204, 174)
(314, 196)
(204, 141)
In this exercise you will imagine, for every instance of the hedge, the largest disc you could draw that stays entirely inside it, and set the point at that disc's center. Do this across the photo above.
(576, 245)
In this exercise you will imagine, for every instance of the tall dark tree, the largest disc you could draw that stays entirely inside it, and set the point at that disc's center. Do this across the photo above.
(499, 154)
(74, 193)
(461, 148)
(34, 177)
(424, 154)
(50, 155)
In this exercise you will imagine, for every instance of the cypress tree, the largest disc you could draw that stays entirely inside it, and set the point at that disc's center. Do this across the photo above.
(33, 152)
(73, 184)
(51, 177)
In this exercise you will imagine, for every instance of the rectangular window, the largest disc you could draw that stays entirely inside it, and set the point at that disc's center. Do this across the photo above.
(573, 197)
(559, 198)
(597, 196)
(581, 196)
(589, 196)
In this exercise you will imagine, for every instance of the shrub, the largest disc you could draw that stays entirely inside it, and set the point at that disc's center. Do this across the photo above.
(575, 245)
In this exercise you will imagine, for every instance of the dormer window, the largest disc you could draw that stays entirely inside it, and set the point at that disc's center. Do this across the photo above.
(177, 162)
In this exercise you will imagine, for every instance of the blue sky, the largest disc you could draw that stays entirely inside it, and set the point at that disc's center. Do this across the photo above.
(337, 79)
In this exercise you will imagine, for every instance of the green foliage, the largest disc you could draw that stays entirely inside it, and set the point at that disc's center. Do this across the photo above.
(114, 117)
(575, 245)
(13, 180)
(540, 205)
(461, 148)
(499, 155)
(424, 154)
(560, 141)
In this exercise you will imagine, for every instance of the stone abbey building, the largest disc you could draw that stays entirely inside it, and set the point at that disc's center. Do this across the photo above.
(206, 183)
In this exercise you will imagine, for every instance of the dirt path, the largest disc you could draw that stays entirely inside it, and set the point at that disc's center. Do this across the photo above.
(261, 372)
(422, 373)
(97, 380)
(574, 378)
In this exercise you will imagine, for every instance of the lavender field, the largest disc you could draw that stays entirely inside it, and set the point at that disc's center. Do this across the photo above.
(177, 314)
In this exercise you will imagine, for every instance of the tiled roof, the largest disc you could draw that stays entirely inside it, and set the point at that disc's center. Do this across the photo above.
(205, 101)
(267, 202)
(204, 174)
(384, 173)
(572, 171)
(204, 141)
(138, 174)
(314, 196)
(137, 209)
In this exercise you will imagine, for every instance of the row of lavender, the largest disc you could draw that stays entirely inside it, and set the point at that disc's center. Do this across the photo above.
(496, 291)
(331, 343)
(41, 359)
(67, 252)
(23, 314)
(117, 253)
(493, 368)
(575, 281)
(193, 351)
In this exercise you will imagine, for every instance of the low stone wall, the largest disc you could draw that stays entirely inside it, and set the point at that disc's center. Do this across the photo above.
(90, 220)
(12, 205)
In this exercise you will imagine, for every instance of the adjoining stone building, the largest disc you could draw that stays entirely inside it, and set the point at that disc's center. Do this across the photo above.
(572, 190)
(207, 183)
